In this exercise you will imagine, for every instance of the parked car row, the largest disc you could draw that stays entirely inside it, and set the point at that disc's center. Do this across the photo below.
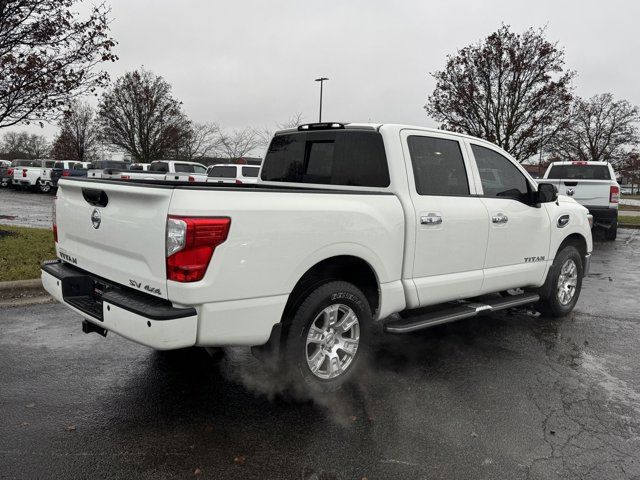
(43, 175)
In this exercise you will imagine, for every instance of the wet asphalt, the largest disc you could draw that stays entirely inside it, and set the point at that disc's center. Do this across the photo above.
(25, 208)
(510, 396)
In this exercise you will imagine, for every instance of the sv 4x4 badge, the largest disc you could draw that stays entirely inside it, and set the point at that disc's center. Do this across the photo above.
(149, 289)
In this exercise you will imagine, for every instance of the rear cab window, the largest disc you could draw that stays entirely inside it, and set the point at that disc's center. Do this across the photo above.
(328, 157)
(579, 171)
(183, 168)
(159, 167)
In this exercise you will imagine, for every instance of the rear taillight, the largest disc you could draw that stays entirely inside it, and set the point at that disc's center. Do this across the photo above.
(66, 173)
(10, 172)
(238, 182)
(191, 179)
(191, 242)
(125, 177)
(24, 172)
(614, 194)
(54, 223)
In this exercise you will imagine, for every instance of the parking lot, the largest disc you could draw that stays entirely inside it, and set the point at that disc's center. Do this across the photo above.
(513, 395)
(25, 208)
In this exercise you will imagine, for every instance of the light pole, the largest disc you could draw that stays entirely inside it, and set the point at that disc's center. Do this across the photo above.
(321, 80)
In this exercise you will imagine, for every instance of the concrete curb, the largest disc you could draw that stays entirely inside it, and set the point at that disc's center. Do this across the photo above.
(23, 302)
(629, 225)
(23, 292)
(34, 283)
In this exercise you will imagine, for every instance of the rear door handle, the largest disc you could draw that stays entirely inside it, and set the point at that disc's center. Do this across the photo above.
(499, 218)
(431, 219)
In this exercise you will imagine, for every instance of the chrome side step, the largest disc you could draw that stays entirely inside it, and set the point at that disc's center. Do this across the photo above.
(452, 312)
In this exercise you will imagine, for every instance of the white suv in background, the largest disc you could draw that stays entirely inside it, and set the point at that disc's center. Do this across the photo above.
(232, 173)
(592, 184)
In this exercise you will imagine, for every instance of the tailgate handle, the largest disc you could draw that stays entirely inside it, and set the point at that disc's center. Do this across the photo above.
(95, 197)
(570, 184)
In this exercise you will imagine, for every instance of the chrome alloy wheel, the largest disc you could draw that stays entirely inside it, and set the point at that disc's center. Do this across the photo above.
(332, 341)
(567, 282)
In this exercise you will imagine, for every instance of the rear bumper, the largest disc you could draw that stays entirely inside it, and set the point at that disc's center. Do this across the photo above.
(142, 318)
(603, 213)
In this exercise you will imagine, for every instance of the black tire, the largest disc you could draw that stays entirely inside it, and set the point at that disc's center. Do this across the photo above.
(612, 232)
(44, 188)
(550, 303)
(296, 350)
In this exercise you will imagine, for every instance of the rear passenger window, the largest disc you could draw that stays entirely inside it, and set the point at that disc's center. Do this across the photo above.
(250, 172)
(438, 166)
(500, 178)
(340, 157)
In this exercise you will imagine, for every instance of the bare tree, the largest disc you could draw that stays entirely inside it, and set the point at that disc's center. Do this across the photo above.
(237, 143)
(510, 89)
(266, 134)
(598, 129)
(201, 140)
(14, 144)
(36, 146)
(48, 53)
(629, 166)
(78, 135)
(140, 116)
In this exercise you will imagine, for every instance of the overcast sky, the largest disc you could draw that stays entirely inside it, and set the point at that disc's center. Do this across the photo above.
(252, 63)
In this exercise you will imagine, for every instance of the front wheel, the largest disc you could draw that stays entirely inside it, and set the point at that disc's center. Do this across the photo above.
(561, 290)
(328, 337)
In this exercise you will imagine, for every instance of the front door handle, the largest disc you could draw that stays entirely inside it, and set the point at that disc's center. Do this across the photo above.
(431, 219)
(499, 218)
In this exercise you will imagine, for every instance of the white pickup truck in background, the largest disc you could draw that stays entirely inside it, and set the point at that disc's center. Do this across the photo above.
(592, 184)
(349, 225)
(33, 174)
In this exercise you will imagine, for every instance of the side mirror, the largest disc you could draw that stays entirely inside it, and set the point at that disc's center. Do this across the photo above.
(547, 192)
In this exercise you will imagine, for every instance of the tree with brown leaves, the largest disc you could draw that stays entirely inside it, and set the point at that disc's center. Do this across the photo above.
(510, 89)
(48, 54)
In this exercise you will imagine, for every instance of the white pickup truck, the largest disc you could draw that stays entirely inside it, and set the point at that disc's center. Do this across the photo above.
(592, 184)
(350, 225)
(33, 174)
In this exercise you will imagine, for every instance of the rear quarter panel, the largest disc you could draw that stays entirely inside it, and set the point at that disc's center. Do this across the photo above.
(275, 237)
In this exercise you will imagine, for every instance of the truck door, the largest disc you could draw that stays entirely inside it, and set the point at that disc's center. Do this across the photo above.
(451, 223)
(519, 231)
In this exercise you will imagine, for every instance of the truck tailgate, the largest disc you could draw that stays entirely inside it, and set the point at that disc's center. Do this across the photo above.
(115, 231)
(591, 193)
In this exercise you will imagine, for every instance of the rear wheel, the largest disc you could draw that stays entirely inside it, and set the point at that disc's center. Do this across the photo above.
(328, 336)
(44, 187)
(612, 232)
(561, 290)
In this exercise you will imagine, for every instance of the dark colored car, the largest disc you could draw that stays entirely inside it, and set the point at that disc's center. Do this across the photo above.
(6, 174)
